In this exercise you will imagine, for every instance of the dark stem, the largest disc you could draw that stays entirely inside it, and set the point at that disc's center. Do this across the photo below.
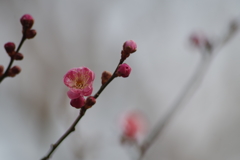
(105, 85)
(70, 130)
(12, 59)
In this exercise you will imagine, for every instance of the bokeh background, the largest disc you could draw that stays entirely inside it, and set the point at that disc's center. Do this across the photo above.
(35, 110)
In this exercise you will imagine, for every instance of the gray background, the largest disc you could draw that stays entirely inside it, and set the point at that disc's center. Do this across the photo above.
(35, 110)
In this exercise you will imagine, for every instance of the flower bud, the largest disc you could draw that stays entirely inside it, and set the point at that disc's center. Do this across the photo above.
(29, 34)
(18, 56)
(27, 21)
(105, 77)
(1, 69)
(129, 46)
(90, 102)
(14, 71)
(10, 48)
(123, 70)
(78, 102)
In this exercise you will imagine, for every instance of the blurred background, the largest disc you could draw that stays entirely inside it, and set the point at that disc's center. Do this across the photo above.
(35, 110)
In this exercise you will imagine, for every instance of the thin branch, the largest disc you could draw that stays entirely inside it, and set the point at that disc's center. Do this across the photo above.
(81, 114)
(12, 59)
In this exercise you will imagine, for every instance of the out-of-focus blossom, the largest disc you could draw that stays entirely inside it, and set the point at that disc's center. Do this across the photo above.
(200, 40)
(79, 81)
(78, 102)
(133, 125)
(123, 70)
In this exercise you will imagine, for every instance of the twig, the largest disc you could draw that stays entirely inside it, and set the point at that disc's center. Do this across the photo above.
(12, 59)
(81, 114)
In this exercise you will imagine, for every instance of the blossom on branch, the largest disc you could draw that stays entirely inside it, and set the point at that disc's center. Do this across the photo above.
(79, 81)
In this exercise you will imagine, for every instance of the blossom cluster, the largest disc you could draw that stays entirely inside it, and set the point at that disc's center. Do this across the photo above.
(80, 80)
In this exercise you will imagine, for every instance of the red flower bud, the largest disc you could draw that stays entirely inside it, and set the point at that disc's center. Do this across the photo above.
(27, 21)
(90, 101)
(123, 70)
(78, 102)
(18, 56)
(106, 76)
(10, 48)
(29, 34)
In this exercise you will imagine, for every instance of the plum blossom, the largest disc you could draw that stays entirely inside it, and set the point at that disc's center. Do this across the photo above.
(133, 124)
(79, 81)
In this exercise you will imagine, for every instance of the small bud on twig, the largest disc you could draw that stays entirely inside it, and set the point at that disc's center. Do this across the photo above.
(27, 21)
(105, 77)
(18, 56)
(10, 48)
(30, 34)
(90, 101)
(123, 70)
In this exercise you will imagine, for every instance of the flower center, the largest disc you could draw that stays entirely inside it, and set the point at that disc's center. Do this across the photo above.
(81, 81)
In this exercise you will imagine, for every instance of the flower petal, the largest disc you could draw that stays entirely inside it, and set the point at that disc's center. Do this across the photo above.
(73, 95)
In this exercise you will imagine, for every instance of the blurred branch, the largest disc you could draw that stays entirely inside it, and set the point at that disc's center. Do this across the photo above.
(208, 52)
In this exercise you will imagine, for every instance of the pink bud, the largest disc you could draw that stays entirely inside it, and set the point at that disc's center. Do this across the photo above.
(78, 102)
(10, 48)
(129, 46)
(27, 21)
(90, 102)
(123, 70)
(133, 124)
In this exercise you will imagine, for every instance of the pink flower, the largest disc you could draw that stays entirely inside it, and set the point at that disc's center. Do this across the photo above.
(129, 46)
(78, 102)
(133, 125)
(79, 80)
(123, 70)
